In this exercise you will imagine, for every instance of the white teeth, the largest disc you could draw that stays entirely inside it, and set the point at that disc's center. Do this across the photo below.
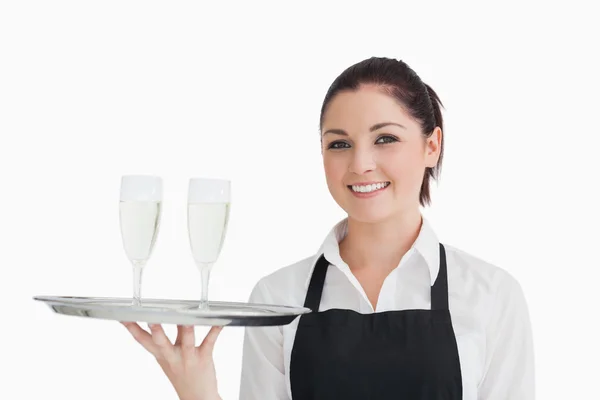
(369, 188)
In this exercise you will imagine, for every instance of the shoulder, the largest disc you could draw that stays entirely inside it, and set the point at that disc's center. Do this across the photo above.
(482, 284)
(284, 286)
(476, 270)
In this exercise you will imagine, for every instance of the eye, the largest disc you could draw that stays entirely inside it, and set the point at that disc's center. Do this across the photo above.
(386, 139)
(338, 145)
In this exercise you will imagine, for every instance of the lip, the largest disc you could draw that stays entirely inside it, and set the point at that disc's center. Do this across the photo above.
(370, 194)
(366, 183)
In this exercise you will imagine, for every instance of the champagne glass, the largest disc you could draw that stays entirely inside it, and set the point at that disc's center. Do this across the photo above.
(139, 215)
(208, 216)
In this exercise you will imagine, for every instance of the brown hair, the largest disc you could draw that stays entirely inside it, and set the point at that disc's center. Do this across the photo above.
(398, 80)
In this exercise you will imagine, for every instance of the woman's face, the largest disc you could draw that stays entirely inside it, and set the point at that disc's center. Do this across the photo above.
(375, 155)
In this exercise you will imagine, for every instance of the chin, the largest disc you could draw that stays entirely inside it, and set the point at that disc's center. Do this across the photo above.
(369, 215)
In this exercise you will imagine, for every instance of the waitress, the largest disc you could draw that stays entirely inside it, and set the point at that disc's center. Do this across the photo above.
(396, 313)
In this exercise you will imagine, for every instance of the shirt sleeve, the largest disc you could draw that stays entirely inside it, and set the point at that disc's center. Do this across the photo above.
(509, 360)
(263, 372)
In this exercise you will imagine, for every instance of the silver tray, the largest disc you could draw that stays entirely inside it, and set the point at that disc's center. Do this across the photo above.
(179, 312)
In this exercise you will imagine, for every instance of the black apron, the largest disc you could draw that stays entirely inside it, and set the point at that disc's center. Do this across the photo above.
(405, 354)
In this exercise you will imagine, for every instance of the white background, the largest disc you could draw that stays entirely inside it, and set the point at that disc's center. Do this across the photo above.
(93, 90)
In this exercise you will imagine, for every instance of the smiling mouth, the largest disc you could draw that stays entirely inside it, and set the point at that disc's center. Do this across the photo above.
(374, 187)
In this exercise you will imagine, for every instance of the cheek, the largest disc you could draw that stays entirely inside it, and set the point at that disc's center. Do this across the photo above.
(405, 169)
(335, 172)
(334, 169)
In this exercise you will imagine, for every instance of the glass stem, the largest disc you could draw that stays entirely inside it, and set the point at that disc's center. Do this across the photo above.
(205, 272)
(137, 283)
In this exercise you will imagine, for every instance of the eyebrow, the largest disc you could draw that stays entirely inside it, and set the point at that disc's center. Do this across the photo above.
(372, 129)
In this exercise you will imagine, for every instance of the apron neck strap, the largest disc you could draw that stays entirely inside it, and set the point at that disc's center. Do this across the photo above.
(439, 290)
(317, 281)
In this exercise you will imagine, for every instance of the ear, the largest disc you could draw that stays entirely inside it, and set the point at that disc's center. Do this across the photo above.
(433, 147)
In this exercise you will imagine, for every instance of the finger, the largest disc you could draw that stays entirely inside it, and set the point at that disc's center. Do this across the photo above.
(209, 341)
(141, 336)
(185, 337)
(159, 337)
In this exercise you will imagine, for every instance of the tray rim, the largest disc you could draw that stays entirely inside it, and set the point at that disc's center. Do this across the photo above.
(83, 302)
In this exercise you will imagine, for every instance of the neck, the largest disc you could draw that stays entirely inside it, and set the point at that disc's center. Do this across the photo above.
(381, 245)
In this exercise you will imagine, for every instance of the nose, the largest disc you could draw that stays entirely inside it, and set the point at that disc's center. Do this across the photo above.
(362, 162)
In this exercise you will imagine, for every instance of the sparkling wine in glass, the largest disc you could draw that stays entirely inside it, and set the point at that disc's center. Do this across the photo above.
(139, 216)
(208, 215)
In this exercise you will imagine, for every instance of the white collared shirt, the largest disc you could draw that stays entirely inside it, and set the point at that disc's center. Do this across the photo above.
(489, 315)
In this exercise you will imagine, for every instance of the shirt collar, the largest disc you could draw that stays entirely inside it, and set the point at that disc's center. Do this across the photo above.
(426, 245)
